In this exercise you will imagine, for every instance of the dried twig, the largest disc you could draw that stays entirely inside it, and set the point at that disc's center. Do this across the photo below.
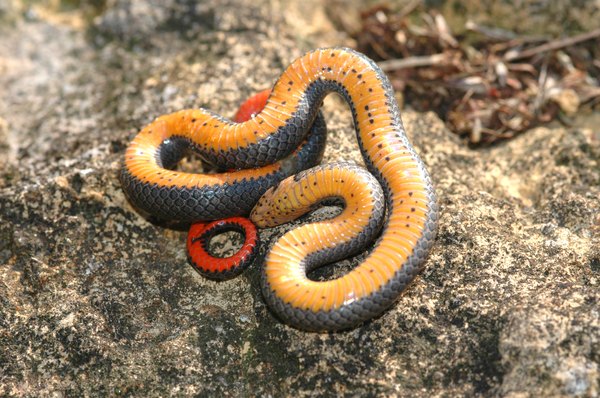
(554, 45)
(491, 32)
(413, 62)
(410, 7)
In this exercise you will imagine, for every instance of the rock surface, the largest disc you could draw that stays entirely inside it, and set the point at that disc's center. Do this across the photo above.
(96, 300)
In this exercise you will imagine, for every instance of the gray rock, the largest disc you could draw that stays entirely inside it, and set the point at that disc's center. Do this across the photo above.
(97, 300)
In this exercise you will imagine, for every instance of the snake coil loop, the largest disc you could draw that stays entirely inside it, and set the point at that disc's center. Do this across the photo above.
(273, 145)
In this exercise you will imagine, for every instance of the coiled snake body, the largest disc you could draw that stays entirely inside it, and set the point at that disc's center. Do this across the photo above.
(273, 141)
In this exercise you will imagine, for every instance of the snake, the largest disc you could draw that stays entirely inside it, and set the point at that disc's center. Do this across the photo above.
(267, 164)
(200, 233)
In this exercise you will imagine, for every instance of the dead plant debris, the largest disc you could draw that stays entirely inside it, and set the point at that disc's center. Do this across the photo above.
(488, 83)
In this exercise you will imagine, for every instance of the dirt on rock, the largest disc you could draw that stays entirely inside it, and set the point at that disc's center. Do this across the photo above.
(95, 300)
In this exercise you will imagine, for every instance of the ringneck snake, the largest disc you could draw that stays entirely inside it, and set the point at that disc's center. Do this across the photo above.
(261, 163)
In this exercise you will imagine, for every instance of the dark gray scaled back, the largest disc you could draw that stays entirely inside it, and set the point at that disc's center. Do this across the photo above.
(216, 202)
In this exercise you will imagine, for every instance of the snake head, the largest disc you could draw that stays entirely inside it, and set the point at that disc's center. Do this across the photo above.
(278, 205)
(261, 213)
